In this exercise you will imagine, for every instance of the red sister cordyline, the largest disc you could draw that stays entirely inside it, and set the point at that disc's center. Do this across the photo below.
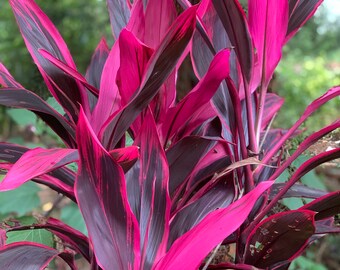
(197, 174)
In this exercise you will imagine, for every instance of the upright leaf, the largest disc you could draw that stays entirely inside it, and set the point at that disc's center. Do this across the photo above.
(235, 24)
(101, 194)
(119, 15)
(39, 33)
(268, 21)
(155, 199)
(159, 68)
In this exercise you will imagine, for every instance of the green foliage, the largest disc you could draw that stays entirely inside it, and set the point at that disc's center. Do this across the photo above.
(38, 236)
(71, 215)
(27, 193)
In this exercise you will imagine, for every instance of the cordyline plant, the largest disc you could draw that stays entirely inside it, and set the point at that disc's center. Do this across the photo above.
(201, 172)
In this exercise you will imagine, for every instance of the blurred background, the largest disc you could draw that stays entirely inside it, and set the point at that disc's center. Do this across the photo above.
(310, 66)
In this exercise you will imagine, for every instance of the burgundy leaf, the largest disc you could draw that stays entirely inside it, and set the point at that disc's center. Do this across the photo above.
(22, 98)
(178, 117)
(298, 191)
(300, 11)
(67, 234)
(211, 231)
(326, 226)
(267, 243)
(39, 33)
(183, 157)
(119, 15)
(268, 21)
(272, 105)
(235, 23)
(68, 70)
(220, 196)
(95, 69)
(155, 199)
(126, 157)
(101, 194)
(325, 206)
(6, 79)
(159, 68)
(26, 256)
(34, 163)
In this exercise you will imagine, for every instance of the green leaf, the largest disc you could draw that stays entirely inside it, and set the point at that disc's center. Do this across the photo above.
(303, 263)
(55, 105)
(22, 117)
(21, 200)
(41, 236)
(71, 215)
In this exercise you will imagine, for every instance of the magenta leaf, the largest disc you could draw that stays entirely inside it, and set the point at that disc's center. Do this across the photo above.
(211, 231)
(39, 33)
(325, 206)
(102, 198)
(160, 66)
(300, 11)
(268, 21)
(267, 243)
(235, 23)
(119, 15)
(22, 98)
(179, 116)
(34, 163)
(155, 200)
(26, 256)
(297, 190)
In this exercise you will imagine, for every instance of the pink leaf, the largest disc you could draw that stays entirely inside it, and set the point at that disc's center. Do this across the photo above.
(190, 249)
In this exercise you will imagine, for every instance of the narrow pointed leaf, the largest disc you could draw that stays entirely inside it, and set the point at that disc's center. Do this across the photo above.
(268, 22)
(22, 98)
(235, 23)
(34, 163)
(119, 15)
(211, 231)
(39, 33)
(267, 243)
(179, 116)
(101, 193)
(298, 191)
(155, 199)
(6, 79)
(300, 11)
(272, 105)
(325, 206)
(26, 256)
(160, 66)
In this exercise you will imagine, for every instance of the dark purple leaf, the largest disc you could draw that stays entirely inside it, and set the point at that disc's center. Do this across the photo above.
(119, 15)
(26, 256)
(272, 105)
(325, 206)
(183, 157)
(22, 98)
(155, 199)
(220, 196)
(211, 231)
(6, 79)
(300, 12)
(325, 226)
(235, 23)
(102, 198)
(267, 243)
(95, 69)
(297, 190)
(39, 33)
(159, 68)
